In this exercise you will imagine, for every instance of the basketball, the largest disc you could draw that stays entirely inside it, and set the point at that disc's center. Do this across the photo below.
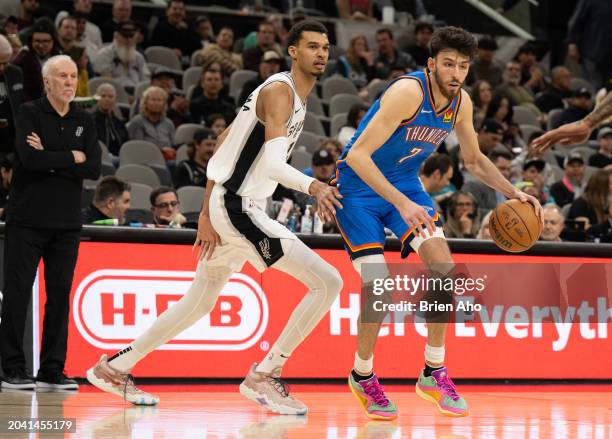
(514, 226)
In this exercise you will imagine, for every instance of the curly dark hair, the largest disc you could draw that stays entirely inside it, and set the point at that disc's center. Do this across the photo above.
(454, 38)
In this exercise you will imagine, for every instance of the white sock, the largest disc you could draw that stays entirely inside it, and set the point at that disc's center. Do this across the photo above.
(126, 359)
(275, 359)
(363, 367)
(434, 355)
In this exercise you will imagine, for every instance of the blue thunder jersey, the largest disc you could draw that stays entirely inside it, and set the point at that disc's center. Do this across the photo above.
(401, 156)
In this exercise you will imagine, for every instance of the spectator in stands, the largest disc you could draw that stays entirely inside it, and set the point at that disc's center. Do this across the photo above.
(83, 8)
(554, 221)
(532, 75)
(490, 135)
(174, 32)
(571, 186)
(501, 111)
(602, 232)
(462, 218)
(111, 130)
(487, 197)
(332, 146)
(121, 13)
(217, 123)
(530, 153)
(30, 9)
(511, 86)
(165, 207)
(192, 172)
(435, 175)
(482, 93)
(11, 96)
(79, 55)
(484, 66)
(164, 79)
(221, 52)
(67, 33)
(484, 232)
(265, 41)
(579, 105)
(389, 56)
(111, 201)
(589, 36)
(81, 38)
(178, 110)
(121, 60)
(533, 172)
(281, 32)
(203, 28)
(152, 124)
(198, 90)
(603, 157)
(353, 118)
(420, 49)
(556, 92)
(268, 66)
(41, 46)
(10, 26)
(358, 62)
(594, 203)
(323, 165)
(211, 101)
(6, 178)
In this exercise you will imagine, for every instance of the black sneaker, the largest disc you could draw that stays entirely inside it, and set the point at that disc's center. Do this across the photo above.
(18, 380)
(55, 381)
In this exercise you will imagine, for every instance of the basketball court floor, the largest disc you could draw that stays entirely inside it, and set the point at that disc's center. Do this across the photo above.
(218, 411)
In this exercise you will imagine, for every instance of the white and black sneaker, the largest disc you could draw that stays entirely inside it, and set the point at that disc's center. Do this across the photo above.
(18, 380)
(55, 381)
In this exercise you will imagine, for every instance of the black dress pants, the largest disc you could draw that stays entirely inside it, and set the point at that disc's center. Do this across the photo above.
(23, 249)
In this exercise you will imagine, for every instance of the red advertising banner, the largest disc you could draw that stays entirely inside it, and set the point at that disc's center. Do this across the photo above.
(119, 289)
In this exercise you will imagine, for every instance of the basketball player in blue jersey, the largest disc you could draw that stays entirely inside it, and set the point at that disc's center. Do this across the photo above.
(377, 175)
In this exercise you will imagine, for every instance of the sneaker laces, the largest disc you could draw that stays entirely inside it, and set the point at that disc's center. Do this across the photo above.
(448, 386)
(373, 389)
(280, 386)
(130, 385)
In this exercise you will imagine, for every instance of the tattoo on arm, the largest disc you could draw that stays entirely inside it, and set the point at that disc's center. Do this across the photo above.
(602, 112)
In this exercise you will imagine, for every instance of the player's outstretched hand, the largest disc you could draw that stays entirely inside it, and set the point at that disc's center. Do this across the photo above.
(416, 217)
(207, 238)
(327, 197)
(526, 198)
(568, 134)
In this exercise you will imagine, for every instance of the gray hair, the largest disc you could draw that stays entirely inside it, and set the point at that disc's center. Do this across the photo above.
(554, 208)
(5, 46)
(105, 86)
(52, 62)
(147, 93)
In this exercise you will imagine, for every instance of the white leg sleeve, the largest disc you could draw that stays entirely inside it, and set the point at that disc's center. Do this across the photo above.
(324, 284)
(196, 303)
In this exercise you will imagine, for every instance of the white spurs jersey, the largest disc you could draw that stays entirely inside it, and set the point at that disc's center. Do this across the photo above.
(236, 165)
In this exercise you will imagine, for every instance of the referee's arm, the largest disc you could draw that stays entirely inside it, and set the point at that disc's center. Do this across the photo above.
(35, 159)
(92, 165)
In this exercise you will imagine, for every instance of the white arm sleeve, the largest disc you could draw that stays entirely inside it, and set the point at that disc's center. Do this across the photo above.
(275, 162)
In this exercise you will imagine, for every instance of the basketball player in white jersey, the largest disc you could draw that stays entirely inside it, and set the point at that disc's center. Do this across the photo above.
(249, 162)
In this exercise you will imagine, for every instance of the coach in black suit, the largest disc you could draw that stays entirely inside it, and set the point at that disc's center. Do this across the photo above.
(56, 148)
